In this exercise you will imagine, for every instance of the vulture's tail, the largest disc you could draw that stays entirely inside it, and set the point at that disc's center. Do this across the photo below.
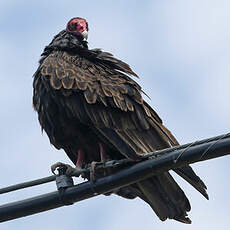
(164, 196)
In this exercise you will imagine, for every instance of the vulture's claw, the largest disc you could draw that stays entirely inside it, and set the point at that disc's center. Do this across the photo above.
(69, 169)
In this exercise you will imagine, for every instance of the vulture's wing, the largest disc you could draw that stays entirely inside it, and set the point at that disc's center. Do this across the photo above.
(113, 104)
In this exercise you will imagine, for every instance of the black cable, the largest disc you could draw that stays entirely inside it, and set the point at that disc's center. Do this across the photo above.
(114, 164)
(142, 170)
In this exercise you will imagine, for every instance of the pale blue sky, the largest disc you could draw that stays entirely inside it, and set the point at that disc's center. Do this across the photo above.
(180, 49)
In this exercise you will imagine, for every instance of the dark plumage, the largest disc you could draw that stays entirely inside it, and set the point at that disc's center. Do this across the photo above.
(85, 98)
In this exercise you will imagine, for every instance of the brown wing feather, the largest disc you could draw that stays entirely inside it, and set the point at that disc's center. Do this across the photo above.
(98, 84)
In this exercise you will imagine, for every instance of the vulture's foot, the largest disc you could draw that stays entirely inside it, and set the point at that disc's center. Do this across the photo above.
(94, 164)
(69, 169)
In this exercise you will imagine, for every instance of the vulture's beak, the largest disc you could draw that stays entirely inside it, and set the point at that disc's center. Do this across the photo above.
(85, 34)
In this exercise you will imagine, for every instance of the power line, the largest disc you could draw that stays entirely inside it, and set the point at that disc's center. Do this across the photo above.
(175, 157)
(112, 164)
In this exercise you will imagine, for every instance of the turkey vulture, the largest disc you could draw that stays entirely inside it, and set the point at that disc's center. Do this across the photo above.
(90, 107)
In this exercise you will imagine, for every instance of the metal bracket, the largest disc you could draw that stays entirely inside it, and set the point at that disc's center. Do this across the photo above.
(63, 182)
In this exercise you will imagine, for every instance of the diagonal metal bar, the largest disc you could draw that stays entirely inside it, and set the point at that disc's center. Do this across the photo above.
(139, 171)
